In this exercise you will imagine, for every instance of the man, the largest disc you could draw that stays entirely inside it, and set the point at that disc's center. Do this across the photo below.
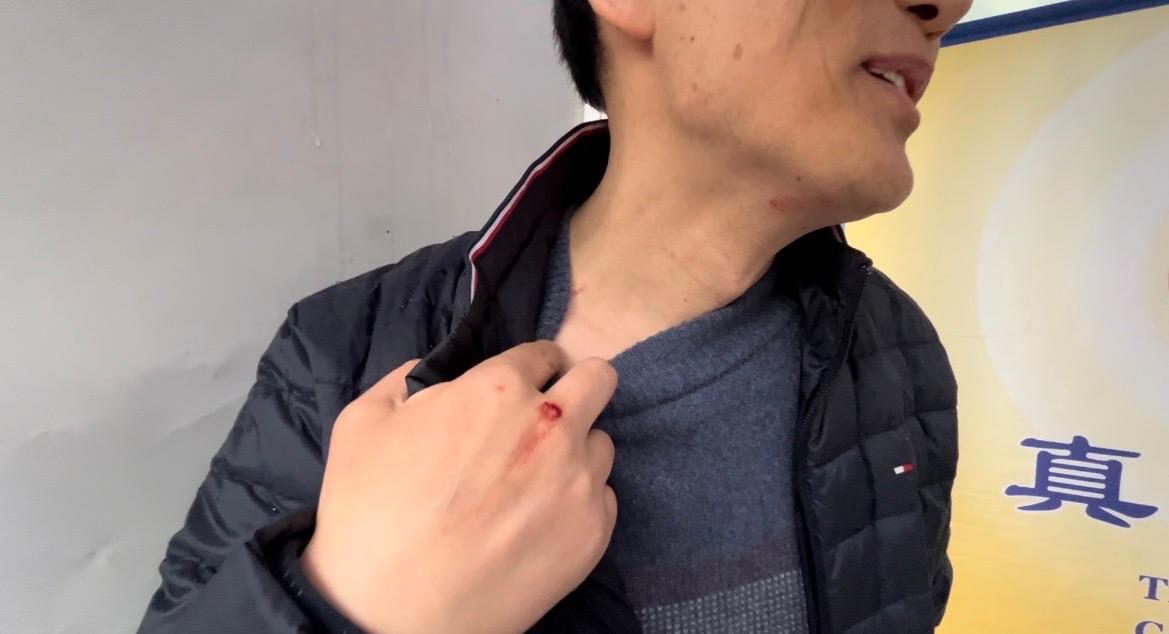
(656, 392)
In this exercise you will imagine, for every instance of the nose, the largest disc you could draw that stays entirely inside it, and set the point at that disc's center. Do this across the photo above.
(936, 17)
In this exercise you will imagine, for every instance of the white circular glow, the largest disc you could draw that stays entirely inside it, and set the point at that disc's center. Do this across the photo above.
(1074, 259)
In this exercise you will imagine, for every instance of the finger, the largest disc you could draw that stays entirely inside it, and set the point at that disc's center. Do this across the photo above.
(392, 387)
(600, 454)
(583, 392)
(610, 506)
(536, 362)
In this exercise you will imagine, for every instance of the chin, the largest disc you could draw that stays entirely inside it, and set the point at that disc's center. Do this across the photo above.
(871, 198)
(893, 189)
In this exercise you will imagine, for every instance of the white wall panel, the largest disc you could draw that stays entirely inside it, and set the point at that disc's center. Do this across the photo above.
(172, 176)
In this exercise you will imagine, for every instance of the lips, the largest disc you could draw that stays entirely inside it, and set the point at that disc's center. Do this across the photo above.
(910, 73)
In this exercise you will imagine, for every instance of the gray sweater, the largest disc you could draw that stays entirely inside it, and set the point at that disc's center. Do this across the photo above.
(704, 421)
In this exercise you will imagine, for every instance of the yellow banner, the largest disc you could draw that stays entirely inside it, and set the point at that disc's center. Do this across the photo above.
(1038, 241)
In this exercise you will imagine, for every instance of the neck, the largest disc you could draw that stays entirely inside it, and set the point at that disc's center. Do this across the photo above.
(674, 231)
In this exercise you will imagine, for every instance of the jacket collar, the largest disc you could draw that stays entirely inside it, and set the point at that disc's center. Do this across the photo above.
(499, 294)
(586, 146)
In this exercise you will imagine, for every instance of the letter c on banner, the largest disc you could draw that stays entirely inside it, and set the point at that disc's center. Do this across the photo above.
(1142, 627)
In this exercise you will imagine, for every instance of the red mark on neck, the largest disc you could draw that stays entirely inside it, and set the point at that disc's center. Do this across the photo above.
(784, 204)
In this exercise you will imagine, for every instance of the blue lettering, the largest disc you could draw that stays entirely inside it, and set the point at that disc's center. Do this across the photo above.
(1142, 627)
(1154, 582)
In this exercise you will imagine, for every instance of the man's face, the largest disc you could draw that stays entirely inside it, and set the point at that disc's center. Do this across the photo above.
(788, 87)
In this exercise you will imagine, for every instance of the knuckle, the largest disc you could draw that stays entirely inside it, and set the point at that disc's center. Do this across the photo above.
(601, 446)
(543, 348)
(343, 433)
(600, 530)
(602, 440)
(426, 394)
(601, 369)
(607, 370)
(609, 499)
(350, 415)
(581, 486)
(543, 352)
(503, 374)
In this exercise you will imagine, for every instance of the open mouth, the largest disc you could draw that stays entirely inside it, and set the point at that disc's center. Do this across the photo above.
(909, 74)
(891, 77)
(904, 88)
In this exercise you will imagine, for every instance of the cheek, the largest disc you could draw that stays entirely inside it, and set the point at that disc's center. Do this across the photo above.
(688, 69)
(715, 56)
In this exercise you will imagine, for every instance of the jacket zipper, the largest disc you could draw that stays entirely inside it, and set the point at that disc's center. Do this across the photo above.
(803, 491)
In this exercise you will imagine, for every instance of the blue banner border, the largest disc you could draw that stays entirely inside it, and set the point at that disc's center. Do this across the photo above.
(1042, 17)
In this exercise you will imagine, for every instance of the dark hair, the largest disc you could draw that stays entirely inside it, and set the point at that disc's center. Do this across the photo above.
(580, 47)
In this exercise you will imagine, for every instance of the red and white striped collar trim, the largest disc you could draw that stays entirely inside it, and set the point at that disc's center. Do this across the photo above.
(533, 173)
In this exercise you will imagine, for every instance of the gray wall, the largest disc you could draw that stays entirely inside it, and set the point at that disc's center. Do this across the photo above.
(173, 175)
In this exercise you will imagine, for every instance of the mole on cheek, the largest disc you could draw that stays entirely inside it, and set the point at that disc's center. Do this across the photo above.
(738, 52)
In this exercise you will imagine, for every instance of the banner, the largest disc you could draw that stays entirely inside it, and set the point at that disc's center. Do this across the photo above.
(1037, 240)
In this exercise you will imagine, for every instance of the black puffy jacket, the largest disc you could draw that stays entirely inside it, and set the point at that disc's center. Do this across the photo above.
(875, 457)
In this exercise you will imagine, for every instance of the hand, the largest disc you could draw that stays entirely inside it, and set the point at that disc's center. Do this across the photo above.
(476, 505)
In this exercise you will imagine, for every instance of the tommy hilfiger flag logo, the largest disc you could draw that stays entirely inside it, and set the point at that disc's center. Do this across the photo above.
(901, 469)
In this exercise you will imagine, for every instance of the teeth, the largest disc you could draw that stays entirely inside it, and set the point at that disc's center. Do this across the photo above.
(896, 78)
(891, 76)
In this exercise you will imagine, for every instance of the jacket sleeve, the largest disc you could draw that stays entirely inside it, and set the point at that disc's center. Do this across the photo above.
(227, 568)
(943, 573)
(941, 429)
